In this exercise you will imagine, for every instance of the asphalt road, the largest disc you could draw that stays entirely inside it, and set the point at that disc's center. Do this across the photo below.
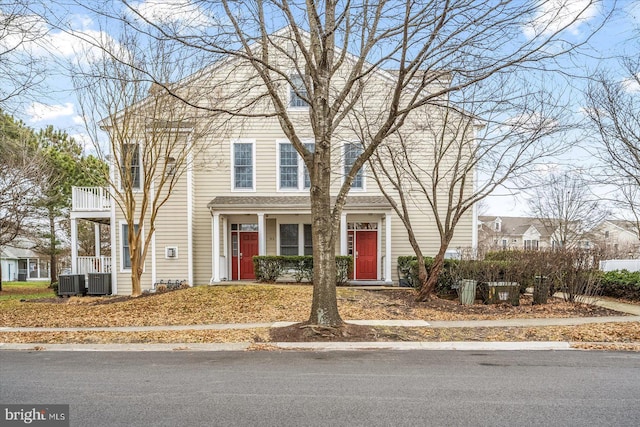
(381, 388)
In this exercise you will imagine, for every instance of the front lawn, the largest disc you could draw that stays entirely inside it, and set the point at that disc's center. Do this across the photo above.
(25, 290)
(260, 304)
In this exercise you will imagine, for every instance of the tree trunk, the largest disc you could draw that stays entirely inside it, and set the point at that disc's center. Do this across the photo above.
(136, 267)
(324, 307)
(428, 288)
(53, 258)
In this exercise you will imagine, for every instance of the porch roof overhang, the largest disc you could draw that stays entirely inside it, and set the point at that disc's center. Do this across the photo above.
(286, 204)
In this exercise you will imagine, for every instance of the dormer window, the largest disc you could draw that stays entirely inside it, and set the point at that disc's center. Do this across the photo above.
(497, 225)
(298, 92)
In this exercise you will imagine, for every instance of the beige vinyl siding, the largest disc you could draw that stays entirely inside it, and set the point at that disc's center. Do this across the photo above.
(213, 177)
(172, 230)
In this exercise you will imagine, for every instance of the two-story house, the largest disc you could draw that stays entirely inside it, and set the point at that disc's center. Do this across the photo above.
(513, 233)
(619, 238)
(247, 194)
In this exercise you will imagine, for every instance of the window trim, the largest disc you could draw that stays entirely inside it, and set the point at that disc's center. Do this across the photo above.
(301, 168)
(344, 166)
(233, 164)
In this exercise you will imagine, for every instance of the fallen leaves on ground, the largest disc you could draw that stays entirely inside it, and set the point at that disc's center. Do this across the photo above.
(263, 303)
(593, 336)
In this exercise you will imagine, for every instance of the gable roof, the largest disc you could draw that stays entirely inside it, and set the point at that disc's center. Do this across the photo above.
(517, 226)
(626, 225)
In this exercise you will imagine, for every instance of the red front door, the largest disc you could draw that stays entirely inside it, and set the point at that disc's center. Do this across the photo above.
(366, 243)
(242, 260)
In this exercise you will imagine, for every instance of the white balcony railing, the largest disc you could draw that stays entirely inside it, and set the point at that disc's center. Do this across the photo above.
(91, 199)
(93, 264)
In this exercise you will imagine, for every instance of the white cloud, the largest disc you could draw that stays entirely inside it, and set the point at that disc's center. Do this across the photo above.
(631, 84)
(173, 11)
(39, 112)
(84, 140)
(555, 15)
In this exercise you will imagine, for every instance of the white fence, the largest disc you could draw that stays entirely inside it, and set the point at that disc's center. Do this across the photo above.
(620, 264)
(92, 264)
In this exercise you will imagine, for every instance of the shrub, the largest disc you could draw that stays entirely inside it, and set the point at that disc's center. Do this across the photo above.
(621, 284)
(54, 286)
(344, 269)
(161, 289)
(268, 268)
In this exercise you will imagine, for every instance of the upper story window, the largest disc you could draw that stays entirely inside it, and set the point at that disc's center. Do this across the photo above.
(298, 92)
(497, 225)
(243, 166)
(131, 161)
(293, 174)
(351, 153)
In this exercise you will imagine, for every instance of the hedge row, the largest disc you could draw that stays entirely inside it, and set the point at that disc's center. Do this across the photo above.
(270, 268)
(621, 284)
(574, 272)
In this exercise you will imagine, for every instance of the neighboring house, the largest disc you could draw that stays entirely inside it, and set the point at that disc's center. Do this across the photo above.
(619, 238)
(23, 264)
(513, 233)
(249, 195)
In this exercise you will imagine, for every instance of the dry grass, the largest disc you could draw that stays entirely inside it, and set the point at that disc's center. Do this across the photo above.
(257, 304)
(606, 335)
(252, 304)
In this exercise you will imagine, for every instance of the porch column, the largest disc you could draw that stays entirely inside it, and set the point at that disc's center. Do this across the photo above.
(343, 234)
(262, 241)
(74, 246)
(96, 237)
(387, 248)
(216, 248)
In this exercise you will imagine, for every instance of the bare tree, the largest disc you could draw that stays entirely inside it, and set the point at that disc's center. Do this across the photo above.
(329, 53)
(20, 69)
(435, 49)
(566, 207)
(22, 174)
(152, 137)
(614, 109)
(450, 159)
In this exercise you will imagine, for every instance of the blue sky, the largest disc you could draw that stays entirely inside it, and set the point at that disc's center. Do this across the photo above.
(55, 104)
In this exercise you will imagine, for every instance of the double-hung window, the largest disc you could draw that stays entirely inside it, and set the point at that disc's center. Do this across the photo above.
(298, 92)
(288, 239)
(289, 160)
(243, 178)
(292, 172)
(126, 250)
(351, 153)
(130, 162)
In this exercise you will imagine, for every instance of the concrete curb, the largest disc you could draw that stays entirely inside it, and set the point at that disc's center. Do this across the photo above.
(300, 346)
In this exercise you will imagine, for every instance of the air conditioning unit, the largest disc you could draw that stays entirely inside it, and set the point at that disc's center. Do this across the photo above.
(71, 284)
(99, 284)
(171, 252)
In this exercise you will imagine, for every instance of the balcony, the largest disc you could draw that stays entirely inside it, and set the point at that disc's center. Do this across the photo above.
(91, 199)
